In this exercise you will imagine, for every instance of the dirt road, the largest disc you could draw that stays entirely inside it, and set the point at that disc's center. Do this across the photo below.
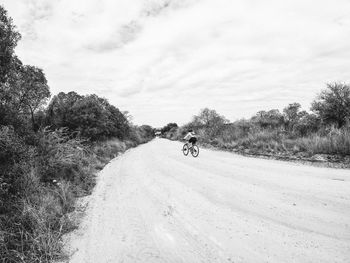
(153, 204)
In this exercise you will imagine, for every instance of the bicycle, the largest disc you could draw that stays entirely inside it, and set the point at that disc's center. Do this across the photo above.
(193, 149)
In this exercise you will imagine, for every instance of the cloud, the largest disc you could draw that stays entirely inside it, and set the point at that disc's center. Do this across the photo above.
(163, 60)
(122, 36)
(154, 8)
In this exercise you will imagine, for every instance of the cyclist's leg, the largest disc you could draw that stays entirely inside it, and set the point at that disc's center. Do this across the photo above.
(194, 141)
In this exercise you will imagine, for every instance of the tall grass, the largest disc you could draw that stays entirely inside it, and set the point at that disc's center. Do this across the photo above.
(33, 211)
(337, 141)
(39, 185)
(331, 141)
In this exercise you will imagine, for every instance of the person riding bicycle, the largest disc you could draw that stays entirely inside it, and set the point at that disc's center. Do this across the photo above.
(191, 138)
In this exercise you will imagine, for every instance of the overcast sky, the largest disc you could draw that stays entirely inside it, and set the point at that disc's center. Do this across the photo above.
(164, 60)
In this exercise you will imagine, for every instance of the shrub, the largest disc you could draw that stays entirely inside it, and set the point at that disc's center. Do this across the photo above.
(60, 157)
(90, 116)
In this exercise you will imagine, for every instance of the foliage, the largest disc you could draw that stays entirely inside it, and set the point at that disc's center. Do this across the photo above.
(22, 95)
(210, 120)
(293, 115)
(60, 157)
(89, 116)
(333, 104)
(268, 119)
(168, 127)
(8, 41)
(14, 156)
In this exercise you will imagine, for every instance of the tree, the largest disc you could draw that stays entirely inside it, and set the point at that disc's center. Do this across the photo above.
(60, 108)
(117, 123)
(268, 119)
(168, 127)
(292, 115)
(24, 93)
(8, 41)
(146, 131)
(34, 91)
(91, 116)
(308, 123)
(210, 120)
(333, 104)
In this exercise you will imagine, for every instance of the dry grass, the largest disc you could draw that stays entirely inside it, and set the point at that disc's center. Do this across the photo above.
(337, 141)
(33, 229)
(276, 141)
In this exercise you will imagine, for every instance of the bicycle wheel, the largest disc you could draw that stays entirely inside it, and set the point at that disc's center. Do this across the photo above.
(195, 151)
(185, 149)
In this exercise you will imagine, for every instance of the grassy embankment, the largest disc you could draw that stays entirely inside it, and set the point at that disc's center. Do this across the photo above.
(42, 187)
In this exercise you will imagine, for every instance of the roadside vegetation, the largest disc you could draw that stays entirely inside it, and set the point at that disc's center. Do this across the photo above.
(50, 150)
(322, 134)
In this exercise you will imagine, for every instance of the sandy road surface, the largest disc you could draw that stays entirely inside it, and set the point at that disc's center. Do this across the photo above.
(153, 204)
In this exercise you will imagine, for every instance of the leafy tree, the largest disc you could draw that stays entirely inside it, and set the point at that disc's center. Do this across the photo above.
(292, 115)
(168, 127)
(91, 116)
(8, 41)
(209, 118)
(117, 123)
(24, 93)
(268, 119)
(146, 131)
(23, 89)
(60, 109)
(333, 104)
(33, 91)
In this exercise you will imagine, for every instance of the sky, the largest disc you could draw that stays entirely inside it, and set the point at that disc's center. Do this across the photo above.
(165, 60)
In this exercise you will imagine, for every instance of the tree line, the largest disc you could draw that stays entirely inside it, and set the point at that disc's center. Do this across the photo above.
(325, 129)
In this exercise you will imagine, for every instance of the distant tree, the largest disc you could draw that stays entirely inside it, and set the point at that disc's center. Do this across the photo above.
(268, 119)
(117, 123)
(8, 41)
(209, 118)
(168, 127)
(333, 104)
(146, 131)
(292, 115)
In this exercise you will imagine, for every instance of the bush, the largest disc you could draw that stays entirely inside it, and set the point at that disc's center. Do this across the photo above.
(90, 116)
